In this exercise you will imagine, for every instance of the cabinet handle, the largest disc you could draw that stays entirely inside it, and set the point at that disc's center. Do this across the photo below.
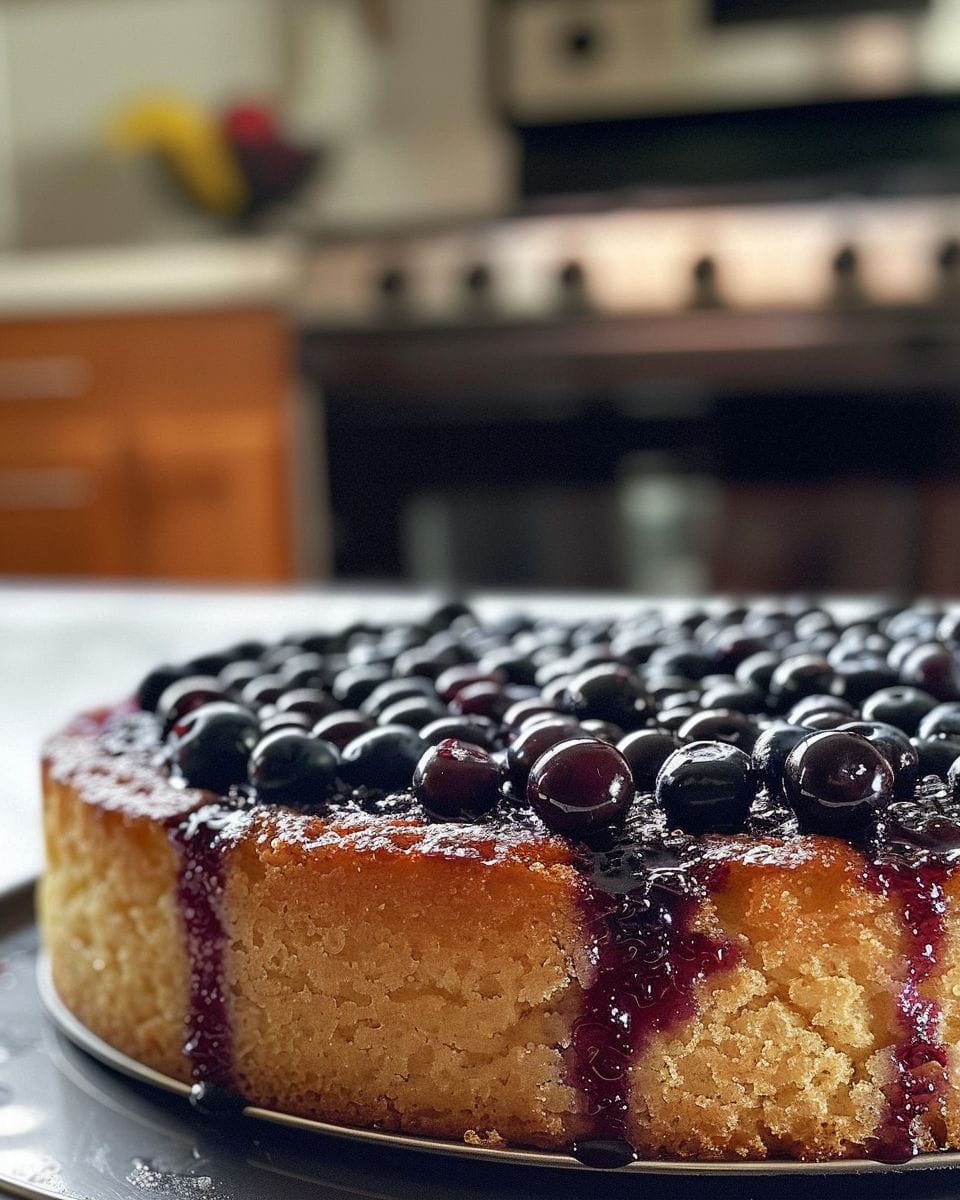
(57, 377)
(50, 488)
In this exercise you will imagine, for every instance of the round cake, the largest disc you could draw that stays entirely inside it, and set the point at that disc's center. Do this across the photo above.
(675, 884)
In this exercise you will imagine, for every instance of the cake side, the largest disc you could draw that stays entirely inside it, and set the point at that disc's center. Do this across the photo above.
(109, 915)
(789, 1052)
(404, 989)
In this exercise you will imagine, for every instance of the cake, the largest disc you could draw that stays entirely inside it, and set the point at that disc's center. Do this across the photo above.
(659, 886)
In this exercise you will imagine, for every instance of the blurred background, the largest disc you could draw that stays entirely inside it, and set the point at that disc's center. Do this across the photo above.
(658, 295)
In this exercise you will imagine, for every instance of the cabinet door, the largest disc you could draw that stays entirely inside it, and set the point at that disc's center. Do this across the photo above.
(62, 509)
(210, 487)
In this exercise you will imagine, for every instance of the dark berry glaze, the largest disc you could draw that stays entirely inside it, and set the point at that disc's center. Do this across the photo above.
(640, 905)
(915, 1094)
(199, 840)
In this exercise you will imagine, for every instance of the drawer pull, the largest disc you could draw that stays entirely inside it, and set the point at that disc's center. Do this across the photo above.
(61, 377)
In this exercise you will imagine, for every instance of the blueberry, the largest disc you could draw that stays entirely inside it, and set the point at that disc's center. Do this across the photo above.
(284, 720)
(392, 690)
(609, 692)
(342, 727)
(942, 721)
(454, 678)
(606, 731)
(757, 670)
(580, 785)
(895, 747)
(457, 780)
(212, 745)
(520, 710)
(414, 711)
(209, 664)
(861, 677)
(936, 755)
(382, 758)
(799, 676)
(683, 658)
(836, 781)
(305, 671)
(292, 767)
(706, 787)
(646, 750)
(312, 702)
(184, 696)
(353, 685)
(534, 741)
(482, 700)
(265, 689)
(770, 752)
(902, 706)
(719, 725)
(741, 697)
(819, 703)
(236, 675)
(479, 731)
(153, 686)
(934, 668)
(516, 668)
(673, 719)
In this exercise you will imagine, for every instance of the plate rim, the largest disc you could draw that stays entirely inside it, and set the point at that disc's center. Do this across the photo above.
(77, 1033)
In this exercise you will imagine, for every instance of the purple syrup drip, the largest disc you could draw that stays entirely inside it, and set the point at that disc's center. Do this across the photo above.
(650, 960)
(208, 1041)
(920, 1057)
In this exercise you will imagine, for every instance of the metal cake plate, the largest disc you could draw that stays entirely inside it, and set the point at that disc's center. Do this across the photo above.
(78, 1119)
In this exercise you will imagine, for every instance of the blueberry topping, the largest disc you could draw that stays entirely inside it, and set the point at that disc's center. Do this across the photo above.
(212, 745)
(392, 690)
(706, 787)
(184, 696)
(902, 706)
(480, 731)
(836, 781)
(608, 692)
(534, 741)
(342, 727)
(265, 689)
(942, 721)
(720, 725)
(810, 705)
(936, 755)
(770, 752)
(312, 702)
(646, 750)
(580, 785)
(895, 747)
(153, 686)
(382, 758)
(797, 677)
(414, 711)
(291, 767)
(457, 780)
(933, 668)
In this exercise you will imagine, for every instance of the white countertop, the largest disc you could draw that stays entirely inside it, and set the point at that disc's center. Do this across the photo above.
(150, 278)
(66, 649)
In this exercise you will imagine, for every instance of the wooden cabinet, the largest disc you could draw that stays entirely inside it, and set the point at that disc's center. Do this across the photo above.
(152, 446)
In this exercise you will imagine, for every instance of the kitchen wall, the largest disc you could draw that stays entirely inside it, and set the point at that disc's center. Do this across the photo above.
(395, 91)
